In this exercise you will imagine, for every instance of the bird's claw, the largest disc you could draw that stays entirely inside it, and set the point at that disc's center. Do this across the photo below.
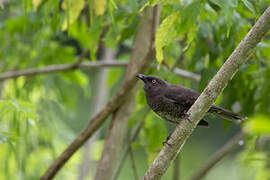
(166, 141)
(186, 116)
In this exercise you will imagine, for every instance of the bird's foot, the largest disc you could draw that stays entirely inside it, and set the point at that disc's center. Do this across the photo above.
(166, 141)
(186, 116)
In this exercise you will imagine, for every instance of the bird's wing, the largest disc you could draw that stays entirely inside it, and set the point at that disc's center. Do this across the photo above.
(180, 95)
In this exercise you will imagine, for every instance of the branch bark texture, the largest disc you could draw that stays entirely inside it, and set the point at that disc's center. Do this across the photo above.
(99, 119)
(144, 43)
(59, 68)
(88, 65)
(185, 128)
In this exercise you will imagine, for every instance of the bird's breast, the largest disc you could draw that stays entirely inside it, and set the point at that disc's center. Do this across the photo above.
(165, 109)
(172, 117)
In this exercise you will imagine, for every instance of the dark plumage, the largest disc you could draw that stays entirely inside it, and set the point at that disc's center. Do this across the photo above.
(171, 102)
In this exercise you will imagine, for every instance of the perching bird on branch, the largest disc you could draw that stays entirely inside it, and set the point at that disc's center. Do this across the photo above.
(171, 102)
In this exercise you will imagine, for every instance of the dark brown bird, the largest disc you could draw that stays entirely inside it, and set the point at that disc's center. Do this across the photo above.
(171, 102)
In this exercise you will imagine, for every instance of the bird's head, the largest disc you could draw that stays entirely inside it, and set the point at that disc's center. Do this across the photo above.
(151, 83)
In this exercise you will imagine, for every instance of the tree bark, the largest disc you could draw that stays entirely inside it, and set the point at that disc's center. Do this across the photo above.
(59, 68)
(185, 128)
(144, 43)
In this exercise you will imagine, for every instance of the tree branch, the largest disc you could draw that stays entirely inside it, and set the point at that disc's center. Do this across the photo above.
(59, 68)
(68, 67)
(94, 123)
(220, 154)
(185, 128)
(186, 74)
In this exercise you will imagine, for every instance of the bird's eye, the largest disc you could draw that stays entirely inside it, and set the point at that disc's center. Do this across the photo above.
(154, 81)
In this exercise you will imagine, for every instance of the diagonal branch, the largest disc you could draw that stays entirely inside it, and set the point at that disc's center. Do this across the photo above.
(100, 118)
(220, 154)
(95, 122)
(185, 128)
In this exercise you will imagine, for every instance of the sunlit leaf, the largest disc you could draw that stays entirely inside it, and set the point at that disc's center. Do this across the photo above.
(259, 124)
(165, 34)
(100, 7)
(189, 16)
(175, 25)
(36, 4)
(73, 8)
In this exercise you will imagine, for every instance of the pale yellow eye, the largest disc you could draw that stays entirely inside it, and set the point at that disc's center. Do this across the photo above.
(154, 81)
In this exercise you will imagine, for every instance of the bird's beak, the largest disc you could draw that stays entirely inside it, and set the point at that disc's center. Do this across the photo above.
(141, 76)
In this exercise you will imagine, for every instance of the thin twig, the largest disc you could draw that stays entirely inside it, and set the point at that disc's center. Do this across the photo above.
(59, 68)
(68, 67)
(219, 155)
(80, 58)
(181, 72)
(187, 74)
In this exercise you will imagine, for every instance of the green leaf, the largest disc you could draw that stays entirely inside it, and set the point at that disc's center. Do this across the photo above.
(176, 24)
(259, 124)
(163, 2)
(74, 8)
(227, 10)
(76, 77)
(36, 4)
(189, 16)
(250, 6)
(99, 7)
(165, 34)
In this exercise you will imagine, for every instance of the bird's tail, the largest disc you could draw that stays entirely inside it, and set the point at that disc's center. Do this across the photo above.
(227, 114)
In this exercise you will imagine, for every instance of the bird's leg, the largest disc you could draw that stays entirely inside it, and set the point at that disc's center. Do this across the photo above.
(167, 139)
(185, 115)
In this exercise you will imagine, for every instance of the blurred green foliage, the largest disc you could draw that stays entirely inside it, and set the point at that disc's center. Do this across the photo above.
(40, 115)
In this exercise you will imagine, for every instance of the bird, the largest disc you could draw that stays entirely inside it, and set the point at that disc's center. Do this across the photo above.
(171, 102)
